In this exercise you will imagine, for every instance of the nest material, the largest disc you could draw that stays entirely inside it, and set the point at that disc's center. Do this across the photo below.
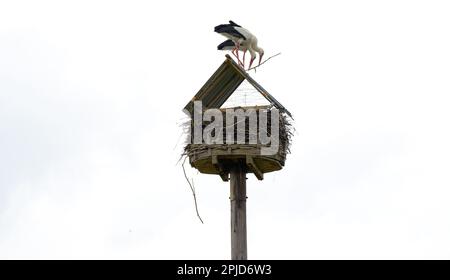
(285, 136)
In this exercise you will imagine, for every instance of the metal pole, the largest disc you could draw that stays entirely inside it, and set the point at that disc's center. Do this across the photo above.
(238, 199)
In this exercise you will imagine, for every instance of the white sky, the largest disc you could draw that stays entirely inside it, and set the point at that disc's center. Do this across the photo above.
(91, 94)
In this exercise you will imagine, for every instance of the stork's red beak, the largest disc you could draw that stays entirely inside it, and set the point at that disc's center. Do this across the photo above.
(251, 62)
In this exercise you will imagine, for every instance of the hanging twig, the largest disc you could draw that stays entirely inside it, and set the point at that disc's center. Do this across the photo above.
(254, 67)
(191, 185)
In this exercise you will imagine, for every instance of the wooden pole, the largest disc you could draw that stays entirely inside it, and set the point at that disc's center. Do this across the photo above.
(238, 199)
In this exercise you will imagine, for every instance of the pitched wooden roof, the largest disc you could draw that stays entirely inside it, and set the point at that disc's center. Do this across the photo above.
(221, 85)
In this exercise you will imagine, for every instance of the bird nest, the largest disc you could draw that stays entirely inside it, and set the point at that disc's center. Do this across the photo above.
(219, 158)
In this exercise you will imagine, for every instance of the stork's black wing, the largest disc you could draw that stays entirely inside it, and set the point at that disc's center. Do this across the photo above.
(229, 29)
(220, 27)
(226, 44)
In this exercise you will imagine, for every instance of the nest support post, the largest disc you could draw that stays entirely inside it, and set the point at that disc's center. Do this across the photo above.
(238, 200)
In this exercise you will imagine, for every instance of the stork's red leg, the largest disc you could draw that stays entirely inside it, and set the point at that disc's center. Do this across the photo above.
(233, 51)
(238, 46)
(243, 59)
(236, 55)
(239, 60)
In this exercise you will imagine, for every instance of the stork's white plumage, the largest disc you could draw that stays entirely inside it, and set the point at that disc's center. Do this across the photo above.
(243, 39)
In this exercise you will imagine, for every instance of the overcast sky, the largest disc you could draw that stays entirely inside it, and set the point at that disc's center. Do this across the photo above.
(91, 94)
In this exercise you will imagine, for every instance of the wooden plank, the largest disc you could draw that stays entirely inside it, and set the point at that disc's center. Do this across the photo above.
(238, 201)
(222, 173)
(202, 159)
(254, 168)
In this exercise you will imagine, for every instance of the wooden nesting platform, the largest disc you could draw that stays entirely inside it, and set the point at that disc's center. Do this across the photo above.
(218, 159)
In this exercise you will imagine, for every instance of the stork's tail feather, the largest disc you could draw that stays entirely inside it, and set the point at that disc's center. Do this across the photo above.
(234, 24)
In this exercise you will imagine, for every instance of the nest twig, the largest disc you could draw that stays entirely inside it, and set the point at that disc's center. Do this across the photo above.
(254, 67)
(191, 185)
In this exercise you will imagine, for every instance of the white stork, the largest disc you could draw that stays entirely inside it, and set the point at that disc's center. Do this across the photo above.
(242, 38)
